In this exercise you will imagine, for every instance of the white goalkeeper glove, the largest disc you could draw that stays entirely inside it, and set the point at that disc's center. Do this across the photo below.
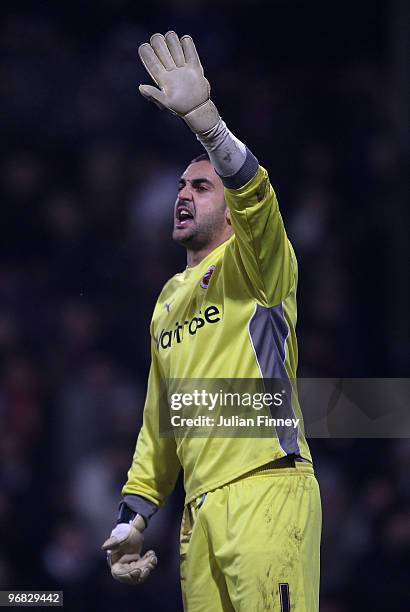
(124, 548)
(174, 65)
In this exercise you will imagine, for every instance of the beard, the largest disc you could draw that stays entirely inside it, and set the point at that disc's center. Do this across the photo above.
(185, 235)
(197, 236)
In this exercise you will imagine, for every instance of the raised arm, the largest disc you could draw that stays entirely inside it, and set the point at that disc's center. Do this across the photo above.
(263, 252)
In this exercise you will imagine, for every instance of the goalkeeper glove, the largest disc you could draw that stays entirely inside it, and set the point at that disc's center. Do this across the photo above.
(124, 548)
(175, 67)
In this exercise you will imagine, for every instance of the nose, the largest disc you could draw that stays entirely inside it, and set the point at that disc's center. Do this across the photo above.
(185, 193)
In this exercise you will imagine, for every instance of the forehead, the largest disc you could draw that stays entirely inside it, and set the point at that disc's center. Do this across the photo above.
(202, 169)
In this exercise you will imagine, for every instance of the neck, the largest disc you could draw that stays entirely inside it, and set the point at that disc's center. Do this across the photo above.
(195, 257)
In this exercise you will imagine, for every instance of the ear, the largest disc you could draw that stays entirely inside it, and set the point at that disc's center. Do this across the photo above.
(228, 216)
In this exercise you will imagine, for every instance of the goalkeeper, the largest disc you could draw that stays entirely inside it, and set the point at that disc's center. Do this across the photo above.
(250, 533)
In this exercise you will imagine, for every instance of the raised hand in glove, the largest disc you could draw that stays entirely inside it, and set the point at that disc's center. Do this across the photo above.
(174, 65)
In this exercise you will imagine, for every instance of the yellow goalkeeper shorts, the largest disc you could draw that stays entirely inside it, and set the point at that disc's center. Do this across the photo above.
(253, 544)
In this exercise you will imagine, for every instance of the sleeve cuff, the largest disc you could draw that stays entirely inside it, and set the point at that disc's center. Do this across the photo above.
(136, 504)
(245, 173)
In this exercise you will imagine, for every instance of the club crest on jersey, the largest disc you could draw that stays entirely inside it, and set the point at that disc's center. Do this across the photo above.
(207, 277)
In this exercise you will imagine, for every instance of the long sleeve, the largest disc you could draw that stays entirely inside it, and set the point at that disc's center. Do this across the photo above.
(155, 464)
(261, 247)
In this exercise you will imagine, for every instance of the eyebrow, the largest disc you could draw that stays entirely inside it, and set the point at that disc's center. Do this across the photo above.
(196, 182)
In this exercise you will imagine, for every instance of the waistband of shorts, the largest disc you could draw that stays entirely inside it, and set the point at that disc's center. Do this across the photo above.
(291, 465)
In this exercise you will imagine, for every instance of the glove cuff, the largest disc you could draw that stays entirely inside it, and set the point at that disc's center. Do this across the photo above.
(203, 118)
(128, 516)
(139, 523)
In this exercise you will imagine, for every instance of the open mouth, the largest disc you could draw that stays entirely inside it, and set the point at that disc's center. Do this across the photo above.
(183, 217)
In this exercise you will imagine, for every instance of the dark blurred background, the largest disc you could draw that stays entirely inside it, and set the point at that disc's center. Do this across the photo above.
(319, 91)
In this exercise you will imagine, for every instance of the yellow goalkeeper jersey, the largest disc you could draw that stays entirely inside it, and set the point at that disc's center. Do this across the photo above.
(231, 316)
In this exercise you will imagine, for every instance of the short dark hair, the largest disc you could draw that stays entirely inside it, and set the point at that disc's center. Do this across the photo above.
(199, 158)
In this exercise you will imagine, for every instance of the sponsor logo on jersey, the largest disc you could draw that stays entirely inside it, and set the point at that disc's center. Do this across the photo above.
(168, 337)
(207, 277)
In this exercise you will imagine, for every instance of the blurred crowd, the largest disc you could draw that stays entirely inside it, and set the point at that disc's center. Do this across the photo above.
(88, 180)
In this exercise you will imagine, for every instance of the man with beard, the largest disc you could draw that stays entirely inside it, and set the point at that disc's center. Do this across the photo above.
(250, 532)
